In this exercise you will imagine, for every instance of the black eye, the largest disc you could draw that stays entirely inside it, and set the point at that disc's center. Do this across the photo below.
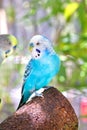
(37, 43)
(9, 43)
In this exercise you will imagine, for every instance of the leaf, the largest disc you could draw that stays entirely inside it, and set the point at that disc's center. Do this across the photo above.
(70, 9)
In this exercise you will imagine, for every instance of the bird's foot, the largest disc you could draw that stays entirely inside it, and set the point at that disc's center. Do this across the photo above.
(35, 94)
(38, 94)
(47, 87)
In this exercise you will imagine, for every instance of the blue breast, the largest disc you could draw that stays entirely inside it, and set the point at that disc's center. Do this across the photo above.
(43, 70)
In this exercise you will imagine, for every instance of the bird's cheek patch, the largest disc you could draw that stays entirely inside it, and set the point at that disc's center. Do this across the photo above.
(38, 50)
(36, 54)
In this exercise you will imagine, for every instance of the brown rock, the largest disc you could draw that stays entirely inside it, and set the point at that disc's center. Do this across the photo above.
(52, 112)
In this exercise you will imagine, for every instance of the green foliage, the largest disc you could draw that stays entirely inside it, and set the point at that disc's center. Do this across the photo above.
(70, 9)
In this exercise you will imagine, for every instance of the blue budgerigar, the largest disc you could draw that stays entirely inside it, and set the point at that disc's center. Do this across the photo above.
(41, 69)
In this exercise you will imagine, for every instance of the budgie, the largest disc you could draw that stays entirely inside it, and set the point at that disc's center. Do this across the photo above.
(8, 44)
(42, 67)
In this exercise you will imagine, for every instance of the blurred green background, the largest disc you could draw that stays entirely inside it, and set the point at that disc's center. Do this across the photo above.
(64, 22)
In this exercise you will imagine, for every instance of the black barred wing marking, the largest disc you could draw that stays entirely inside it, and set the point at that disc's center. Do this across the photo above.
(27, 73)
(27, 70)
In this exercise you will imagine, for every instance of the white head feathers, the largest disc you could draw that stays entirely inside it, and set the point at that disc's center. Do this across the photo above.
(40, 39)
(38, 44)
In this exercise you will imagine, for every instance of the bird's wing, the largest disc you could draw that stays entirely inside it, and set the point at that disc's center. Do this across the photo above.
(27, 72)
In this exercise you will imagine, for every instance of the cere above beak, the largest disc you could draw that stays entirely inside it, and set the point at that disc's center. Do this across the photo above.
(31, 45)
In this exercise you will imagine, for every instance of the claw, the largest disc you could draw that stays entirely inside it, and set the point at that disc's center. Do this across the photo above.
(39, 94)
(34, 94)
(47, 87)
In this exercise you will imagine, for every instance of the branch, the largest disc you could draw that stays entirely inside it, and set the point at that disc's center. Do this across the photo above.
(51, 112)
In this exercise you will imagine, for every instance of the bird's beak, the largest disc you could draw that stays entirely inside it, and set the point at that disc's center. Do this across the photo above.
(30, 49)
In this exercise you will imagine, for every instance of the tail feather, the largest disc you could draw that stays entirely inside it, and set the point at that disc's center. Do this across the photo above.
(21, 102)
(24, 98)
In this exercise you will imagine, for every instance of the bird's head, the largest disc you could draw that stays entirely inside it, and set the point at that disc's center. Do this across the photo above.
(38, 45)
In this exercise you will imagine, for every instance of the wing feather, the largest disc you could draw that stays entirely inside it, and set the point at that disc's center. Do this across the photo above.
(27, 72)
